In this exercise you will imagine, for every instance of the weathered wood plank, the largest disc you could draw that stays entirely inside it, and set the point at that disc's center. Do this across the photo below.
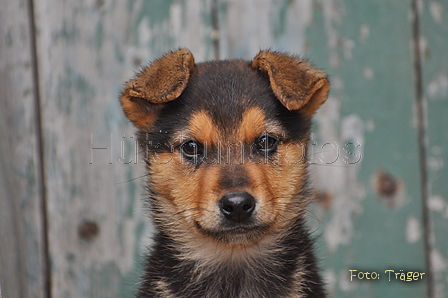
(86, 51)
(371, 210)
(365, 46)
(94, 224)
(434, 49)
(22, 258)
(248, 26)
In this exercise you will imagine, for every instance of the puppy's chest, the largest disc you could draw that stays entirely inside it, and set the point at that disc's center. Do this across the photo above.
(232, 283)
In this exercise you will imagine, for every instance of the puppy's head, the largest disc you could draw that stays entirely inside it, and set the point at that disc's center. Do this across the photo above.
(225, 142)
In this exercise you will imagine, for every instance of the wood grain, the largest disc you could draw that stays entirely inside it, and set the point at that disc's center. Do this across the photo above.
(67, 153)
(433, 47)
(22, 245)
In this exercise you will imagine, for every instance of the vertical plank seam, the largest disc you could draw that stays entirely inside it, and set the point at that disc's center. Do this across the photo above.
(40, 149)
(422, 143)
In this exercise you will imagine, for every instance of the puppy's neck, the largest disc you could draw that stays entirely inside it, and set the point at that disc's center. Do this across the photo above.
(279, 265)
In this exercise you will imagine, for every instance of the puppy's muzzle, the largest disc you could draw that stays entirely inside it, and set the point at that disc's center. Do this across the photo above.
(237, 206)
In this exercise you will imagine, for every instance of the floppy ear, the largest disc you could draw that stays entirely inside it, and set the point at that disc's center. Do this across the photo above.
(162, 81)
(295, 82)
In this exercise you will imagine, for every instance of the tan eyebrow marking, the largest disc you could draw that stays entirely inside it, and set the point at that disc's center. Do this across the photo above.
(252, 125)
(203, 129)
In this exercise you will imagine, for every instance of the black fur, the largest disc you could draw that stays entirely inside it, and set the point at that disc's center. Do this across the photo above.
(271, 281)
(226, 89)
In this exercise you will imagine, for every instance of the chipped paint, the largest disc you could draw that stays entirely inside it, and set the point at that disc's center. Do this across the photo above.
(337, 83)
(438, 87)
(368, 73)
(413, 230)
(436, 10)
(189, 28)
(103, 42)
(166, 25)
(435, 84)
(241, 37)
(332, 18)
(370, 125)
(330, 280)
(435, 163)
(440, 265)
(341, 183)
(299, 17)
(438, 261)
(345, 284)
(424, 47)
(352, 129)
(364, 32)
(144, 31)
(437, 203)
(347, 47)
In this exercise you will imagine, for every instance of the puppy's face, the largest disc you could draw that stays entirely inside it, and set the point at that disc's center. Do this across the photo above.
(225, 143)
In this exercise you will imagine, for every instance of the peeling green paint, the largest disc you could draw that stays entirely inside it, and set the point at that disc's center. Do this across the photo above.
(130, 210)
(434, 33)
(279, 24)
(365, 46)
(99, 35)
(74, 94)
(68, 32)
(119, 55)
(156, 11)
(104, 281)
(131, 279)
(70, 257)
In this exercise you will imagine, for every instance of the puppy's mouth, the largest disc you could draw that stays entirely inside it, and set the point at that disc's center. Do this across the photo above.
(236, 234)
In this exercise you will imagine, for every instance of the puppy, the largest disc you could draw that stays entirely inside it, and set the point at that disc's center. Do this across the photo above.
(225, 145)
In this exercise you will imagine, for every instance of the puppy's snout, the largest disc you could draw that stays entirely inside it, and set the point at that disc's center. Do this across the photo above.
(237, 206)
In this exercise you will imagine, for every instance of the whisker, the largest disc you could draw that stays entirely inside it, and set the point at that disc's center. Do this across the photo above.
(316, 218)
(132, 179)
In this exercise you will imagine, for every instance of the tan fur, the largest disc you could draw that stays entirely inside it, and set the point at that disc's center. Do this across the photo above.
(163, 81)
(252, 125)
(162, 288)
(186, 195)
(202, 128)
(295, 82)
(194, 194)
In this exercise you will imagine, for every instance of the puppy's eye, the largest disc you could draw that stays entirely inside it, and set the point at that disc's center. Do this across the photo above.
(191, 149)
(266, 143)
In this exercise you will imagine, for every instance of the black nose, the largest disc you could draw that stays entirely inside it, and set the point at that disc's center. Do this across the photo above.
(237, 206)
